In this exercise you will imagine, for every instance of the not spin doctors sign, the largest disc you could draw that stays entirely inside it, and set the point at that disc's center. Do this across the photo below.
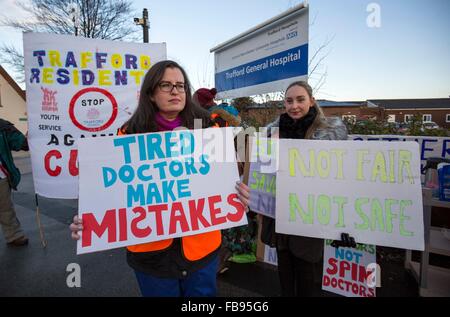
(264, 59)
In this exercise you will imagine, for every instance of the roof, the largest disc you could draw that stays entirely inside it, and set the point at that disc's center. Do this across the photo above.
(439, 103)
(329, 103)
(12, 82)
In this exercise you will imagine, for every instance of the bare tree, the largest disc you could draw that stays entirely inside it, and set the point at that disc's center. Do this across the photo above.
(316, 63)
(104, 19)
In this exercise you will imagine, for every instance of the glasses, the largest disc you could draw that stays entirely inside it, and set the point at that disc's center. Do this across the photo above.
(168, 86)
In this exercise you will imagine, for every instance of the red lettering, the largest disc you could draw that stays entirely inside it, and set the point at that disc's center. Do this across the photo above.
(52, 172)
(91, 225)
(340, 282)
(371, 292)
(333, 282)
(138, 232)
(158, 209)
(354, 272)
(326, 280)
(123, 228)
(214, 211)
(73, 166)
(333, 269)
(343, 267)
(234, 201)
(181, 218)
(362, 291)
(196, 213)
(355, 288)
(348, 284)
(363, 274)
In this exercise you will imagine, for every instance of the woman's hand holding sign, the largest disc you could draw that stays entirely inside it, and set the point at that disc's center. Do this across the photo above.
(243, 194)
(75, 227)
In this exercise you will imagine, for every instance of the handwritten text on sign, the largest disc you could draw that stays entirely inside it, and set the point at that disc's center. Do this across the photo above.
(371, 190)
(350, 272)
(149, 187)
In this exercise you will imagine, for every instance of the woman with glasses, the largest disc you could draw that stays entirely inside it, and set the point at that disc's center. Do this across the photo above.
(182, 266)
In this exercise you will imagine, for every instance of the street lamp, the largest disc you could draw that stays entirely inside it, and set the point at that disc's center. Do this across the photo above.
(74, 15)
(144, 22)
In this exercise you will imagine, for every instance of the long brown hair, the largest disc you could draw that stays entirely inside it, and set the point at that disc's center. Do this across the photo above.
(143, 119)
(320, 120)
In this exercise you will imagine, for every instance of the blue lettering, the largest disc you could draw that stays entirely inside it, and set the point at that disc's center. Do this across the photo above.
(153, 195)
(39, 55)
(140, 173)
(126, 174)
(70, 60)
(125, 142)
(183, 188)
(445, 148)
(101, 59)
(206, 167)
(63, 78)
(109, 176)
(176, 168)
(425, 149)
(154, 146)
(135, 195)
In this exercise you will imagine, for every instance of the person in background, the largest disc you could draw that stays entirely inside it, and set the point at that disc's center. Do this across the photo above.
(238, 243)
(179, 267)
(300, 258)
(11, 139)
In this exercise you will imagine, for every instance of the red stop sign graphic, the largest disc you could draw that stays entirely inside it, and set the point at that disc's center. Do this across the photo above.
(104, 92)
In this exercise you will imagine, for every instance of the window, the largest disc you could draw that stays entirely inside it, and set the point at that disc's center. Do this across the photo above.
(426, 118)
(447, 118)
(391, 118)
(408, 117)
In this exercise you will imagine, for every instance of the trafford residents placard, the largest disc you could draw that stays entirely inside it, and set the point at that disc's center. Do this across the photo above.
(77, 87)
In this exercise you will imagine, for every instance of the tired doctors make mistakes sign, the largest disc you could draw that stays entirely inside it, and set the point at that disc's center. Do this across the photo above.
(149, 187)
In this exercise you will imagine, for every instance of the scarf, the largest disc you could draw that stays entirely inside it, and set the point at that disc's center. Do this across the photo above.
(296, 129)
(166, 125)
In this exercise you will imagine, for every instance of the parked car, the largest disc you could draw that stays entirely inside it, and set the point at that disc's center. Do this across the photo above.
(430, 125)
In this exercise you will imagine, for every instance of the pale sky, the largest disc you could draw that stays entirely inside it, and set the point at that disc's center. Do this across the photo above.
(408, 56)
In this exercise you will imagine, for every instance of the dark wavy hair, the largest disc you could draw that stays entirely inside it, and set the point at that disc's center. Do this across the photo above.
(143, 119)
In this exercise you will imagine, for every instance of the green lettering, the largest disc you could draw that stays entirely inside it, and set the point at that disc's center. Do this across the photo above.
(377, 215)
(405, 163)
(379, 168)
(294, 205)
(402, 218)
(324, 209)
(294, 156)
(340, 201)
(389, 215)
(361, 154)
(254, 185)
(340, 162)
(358, 204)
(391, 166)
(261, 182)
(324, 172)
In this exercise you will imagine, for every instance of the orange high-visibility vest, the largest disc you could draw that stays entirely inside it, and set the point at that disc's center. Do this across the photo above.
(194, 247)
